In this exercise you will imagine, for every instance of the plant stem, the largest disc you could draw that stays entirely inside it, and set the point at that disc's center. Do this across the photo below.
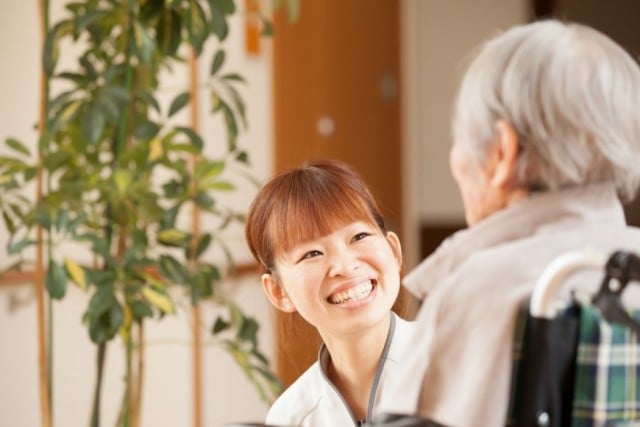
(128, 381)
(95, 412)
(137, 390)
(128, 82)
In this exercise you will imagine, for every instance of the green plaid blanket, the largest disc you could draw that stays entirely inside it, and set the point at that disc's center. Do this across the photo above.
(606, 389)
(607, 382)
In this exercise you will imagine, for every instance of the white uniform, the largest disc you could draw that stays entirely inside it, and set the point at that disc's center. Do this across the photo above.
(313, 401)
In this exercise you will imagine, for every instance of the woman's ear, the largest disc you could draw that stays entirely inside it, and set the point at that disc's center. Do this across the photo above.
(276, 293)
(396, 247)
(506, 154)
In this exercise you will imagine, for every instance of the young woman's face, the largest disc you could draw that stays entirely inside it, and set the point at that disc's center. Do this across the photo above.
(342, 282)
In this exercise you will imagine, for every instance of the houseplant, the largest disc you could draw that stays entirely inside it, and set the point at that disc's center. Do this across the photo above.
(116, 173)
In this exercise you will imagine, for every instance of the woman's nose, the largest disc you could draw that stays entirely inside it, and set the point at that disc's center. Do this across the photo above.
(343, 262)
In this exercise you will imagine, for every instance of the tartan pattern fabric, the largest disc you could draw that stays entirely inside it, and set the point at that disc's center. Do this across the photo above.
(607, 376)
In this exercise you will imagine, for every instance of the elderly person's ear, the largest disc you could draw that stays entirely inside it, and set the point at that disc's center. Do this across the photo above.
(505, 154)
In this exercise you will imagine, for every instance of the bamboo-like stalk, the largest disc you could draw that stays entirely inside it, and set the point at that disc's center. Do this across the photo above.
(195, 227)
(39, 286)
(136, 410)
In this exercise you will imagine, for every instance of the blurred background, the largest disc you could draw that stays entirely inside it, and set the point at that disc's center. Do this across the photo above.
(367, 81)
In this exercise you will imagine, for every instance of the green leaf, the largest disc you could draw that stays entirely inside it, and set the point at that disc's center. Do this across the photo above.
(173, 237)
(218, 186)
(62, 219)
(169, 217)
(219, 24)
(16, 247)
(211, 272)
(74, 223)
(8, 222)
(172, 269)
(51, 49)
(204, 169)
(105, 315)
(216, 102)
(89, 17)
(30, 173)
(18, 146)
(140, 310)
(90, 71)
(231, 125)
(144, 41)
(204, 201)
(218, 61)
(187, 148)
(69, 111)
(168, 29)
(200, 288)
(93, 124)
(195, 139)
(238, 103)
(76, 272)
(117, 93)
(243, 157)
(195, 22)
(179, 102)
(237, 318)
(146, 129)
(108, 105)
(59, 100)
(249, 331)
(203, 244)
(149, 99)
(227, 6)
(158, 299)
(233, 77)
(56, 280)
(220, 326)
(43, 219)
(122, 180)
(267, 28)
(99, 245)
(101, 301)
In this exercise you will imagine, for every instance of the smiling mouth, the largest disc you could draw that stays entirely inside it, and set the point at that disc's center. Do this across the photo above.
(356, 293)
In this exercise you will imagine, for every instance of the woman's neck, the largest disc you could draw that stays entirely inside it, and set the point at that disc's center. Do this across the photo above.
(353, 363)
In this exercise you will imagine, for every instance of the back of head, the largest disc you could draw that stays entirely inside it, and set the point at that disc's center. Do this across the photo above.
(572, 96)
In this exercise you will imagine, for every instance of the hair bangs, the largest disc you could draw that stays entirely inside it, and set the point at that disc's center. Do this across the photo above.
(313, 209)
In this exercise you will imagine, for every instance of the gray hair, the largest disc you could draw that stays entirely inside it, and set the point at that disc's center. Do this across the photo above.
(571, 94)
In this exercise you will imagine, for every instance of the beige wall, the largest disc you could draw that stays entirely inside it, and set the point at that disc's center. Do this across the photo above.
(435, 37)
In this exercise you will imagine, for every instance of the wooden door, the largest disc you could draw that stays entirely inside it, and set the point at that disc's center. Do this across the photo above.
(336, 92)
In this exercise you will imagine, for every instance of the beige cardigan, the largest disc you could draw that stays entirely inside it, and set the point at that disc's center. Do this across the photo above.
(471, 288)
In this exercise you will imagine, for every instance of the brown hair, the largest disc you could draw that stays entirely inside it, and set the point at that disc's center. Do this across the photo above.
(305, 203)
(299, 205)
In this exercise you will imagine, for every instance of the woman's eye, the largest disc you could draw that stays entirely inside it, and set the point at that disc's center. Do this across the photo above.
(360, 236)
(310, 254)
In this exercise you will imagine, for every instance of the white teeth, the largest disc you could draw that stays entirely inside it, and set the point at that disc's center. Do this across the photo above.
(354, 294)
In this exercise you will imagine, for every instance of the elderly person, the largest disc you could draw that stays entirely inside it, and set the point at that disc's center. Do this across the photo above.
(546, 133)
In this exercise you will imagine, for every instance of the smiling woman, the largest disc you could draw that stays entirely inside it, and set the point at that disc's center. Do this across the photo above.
(326, 254)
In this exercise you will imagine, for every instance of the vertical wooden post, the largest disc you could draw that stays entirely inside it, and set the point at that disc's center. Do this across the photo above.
(195, 228)
(43, 345)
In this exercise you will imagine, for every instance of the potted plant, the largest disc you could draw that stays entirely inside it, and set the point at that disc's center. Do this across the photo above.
(117, 174)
